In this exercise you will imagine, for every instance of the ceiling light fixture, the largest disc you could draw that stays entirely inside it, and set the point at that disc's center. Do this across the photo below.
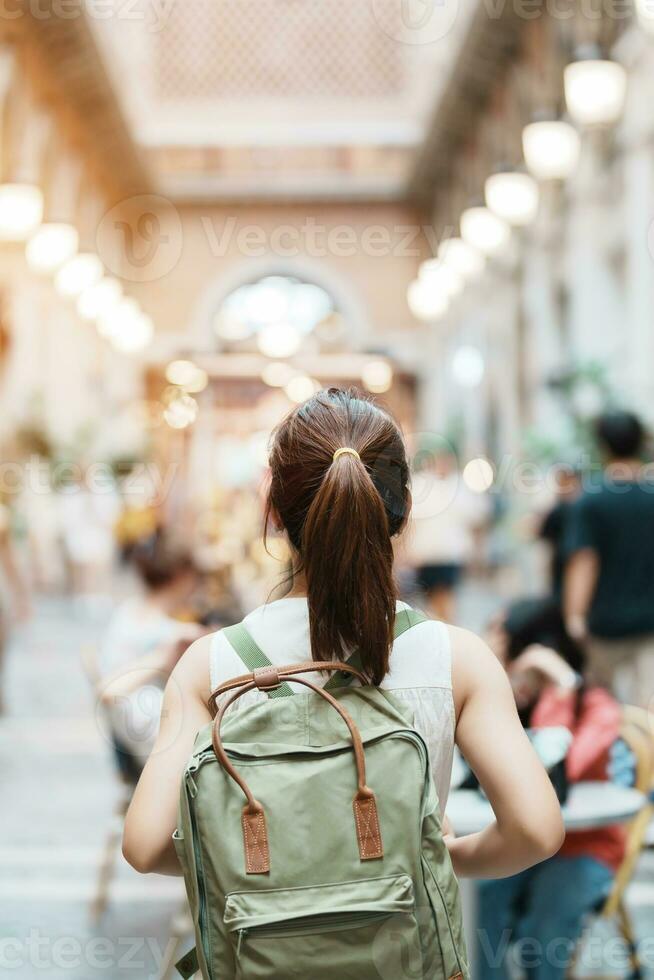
(595, 88)
(512, 196)
(551, 148)
(483, 230)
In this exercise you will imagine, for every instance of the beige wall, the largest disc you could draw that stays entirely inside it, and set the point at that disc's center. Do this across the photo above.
(371, 251)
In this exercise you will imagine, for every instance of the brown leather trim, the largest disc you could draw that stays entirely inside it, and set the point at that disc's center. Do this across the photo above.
(255, 840)
(257, 859)
(456, 976)
(218, 748)
(266, 678)
(367, 824)
(284, 673)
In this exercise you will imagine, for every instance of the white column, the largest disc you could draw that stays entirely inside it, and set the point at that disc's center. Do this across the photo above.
(542, 329)
(504, 358)
(596, 307)
(637, 374)
(431, 380)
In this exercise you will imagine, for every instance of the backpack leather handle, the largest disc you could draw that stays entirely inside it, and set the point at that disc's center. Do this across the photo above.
(255, 834)
(267, 678)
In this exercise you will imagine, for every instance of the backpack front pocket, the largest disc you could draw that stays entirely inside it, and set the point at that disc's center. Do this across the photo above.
(364, 929)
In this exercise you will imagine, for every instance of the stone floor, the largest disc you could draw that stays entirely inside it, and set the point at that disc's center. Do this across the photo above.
(59, 792)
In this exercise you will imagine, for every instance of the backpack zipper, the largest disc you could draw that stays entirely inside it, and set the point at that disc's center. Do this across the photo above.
(308, 925)
(447, 915)
(192, 789)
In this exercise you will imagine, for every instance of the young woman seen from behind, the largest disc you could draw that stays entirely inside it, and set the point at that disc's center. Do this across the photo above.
(340, 512)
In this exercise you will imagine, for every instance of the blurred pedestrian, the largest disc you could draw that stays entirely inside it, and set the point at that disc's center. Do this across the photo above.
(545, 905)
(446, 519)
(609, 581)
(88, 520)
(553, 526)
(141, 646)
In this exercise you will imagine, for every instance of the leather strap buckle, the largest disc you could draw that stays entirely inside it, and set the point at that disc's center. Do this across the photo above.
(266, 678)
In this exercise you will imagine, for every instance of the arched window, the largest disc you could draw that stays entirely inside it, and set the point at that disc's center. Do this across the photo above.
(278, 315)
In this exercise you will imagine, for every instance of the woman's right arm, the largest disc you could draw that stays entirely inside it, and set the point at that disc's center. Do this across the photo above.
(528, 827)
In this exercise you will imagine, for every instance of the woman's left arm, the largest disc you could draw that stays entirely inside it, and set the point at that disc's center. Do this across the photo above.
(152, 815)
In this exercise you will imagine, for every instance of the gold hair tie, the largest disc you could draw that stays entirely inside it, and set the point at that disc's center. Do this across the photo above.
(343, 450)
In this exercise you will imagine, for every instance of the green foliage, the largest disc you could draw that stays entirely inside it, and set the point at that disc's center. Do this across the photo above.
(584, 392)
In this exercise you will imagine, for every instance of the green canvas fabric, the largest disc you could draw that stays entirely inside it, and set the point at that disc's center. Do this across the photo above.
(320, 912)
(253, 656)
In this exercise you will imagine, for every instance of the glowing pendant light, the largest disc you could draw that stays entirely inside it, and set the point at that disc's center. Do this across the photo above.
(595, 89)
(425, 302)
(465, 260)
(78, 274)
(99, 298)
(441, 278)
(483, 230)
(21, 211)
(551, 148)
(51, 246)
(512, 196)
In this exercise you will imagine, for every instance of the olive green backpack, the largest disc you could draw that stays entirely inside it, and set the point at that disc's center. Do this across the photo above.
(304, 859)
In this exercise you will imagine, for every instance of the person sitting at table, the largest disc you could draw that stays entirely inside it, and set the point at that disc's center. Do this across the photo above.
(542, 909)
(141, 646)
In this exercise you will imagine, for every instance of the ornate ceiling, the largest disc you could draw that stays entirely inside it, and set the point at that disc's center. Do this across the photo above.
(282, 97)
(268, 99)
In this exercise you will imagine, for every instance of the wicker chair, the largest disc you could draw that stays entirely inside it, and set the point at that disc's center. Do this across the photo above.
(637, 733)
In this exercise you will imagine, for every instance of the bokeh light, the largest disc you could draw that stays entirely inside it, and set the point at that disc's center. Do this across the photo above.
(478, 475)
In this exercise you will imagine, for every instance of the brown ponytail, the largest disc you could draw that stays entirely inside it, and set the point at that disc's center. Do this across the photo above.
(340, 515)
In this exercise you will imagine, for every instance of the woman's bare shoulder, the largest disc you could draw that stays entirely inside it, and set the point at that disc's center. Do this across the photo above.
(473, 665)
(192, 670)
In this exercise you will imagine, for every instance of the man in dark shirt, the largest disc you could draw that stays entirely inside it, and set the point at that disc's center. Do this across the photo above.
(553, 527)
(609, 580)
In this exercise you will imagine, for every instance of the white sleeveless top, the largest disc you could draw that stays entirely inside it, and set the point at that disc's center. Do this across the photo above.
(420, 673)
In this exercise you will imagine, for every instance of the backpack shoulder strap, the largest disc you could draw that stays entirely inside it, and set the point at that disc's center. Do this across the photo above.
(252, 655)
(404, 620)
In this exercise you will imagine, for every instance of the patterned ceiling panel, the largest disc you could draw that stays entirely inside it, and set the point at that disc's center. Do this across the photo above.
(223, 49)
